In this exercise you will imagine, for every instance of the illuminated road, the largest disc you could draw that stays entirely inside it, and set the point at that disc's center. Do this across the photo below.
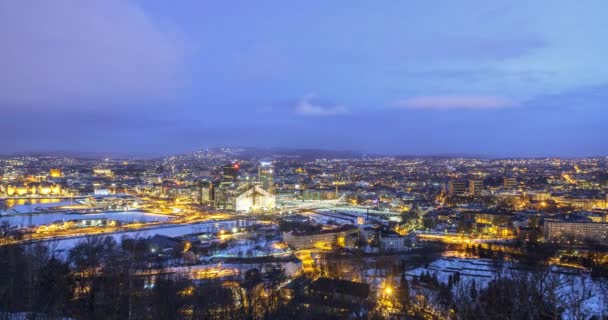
(454, 238)
(568, 178)
(130, 228)
(196, 272)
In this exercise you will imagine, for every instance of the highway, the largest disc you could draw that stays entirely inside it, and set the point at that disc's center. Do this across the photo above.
(129, 228)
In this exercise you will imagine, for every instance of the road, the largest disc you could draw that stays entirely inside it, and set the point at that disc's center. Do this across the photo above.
(134, 227)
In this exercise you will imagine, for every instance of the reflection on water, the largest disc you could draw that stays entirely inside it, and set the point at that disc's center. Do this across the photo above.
(9, 203)
(48, 218)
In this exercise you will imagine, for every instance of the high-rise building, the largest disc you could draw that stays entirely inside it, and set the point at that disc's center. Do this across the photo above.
(230, 172)
(226, 192)
(207, 192)
(224, 197)
(266, 175)
(457, 187)
(475, 187)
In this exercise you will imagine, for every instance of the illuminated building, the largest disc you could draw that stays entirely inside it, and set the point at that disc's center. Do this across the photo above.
(509, 183)
(113, 202)
(32, 189)
(101, 192)
(55, 173)
(345, 236)
(564, 231)
(255, 199)
(226, 194)
(266, 175)
(475, 187)
(103, 172)
(539, 195)
(230, 172)
(225, 197)
(457, 187)
(309, 194)
(206, 192)
(391, 241)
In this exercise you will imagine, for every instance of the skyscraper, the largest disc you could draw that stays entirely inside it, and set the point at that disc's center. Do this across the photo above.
(266, 175)
(230, 172)
(206, 192)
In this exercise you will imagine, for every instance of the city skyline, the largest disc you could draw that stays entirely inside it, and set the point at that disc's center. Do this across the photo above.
(285, 160)
(261, 152)
(500, 79)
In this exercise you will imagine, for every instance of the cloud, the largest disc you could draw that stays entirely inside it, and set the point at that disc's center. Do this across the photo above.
(472, 102)
(71, 51)
(309, 107)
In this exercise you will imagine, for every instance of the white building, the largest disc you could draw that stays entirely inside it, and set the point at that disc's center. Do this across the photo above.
(560, 231)
(391, 241)
(254, 200)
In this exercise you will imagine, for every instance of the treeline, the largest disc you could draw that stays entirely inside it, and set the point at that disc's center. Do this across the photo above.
(100, 279)
(530, 295)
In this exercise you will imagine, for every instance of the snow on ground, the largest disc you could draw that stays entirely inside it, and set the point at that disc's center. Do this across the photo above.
(482, 270)
(170, 231)
(248, 248)
(576, 286)
(325, 217)
(572, 283)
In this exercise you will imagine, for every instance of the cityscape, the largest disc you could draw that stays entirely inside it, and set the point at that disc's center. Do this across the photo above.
(278, 234)
(303, 160)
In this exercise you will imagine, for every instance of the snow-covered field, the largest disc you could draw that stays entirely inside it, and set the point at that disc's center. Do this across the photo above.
(572, 284)
(248, 248)
(482, 270)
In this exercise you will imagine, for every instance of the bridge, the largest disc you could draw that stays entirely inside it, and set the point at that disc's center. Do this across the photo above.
(291, 206)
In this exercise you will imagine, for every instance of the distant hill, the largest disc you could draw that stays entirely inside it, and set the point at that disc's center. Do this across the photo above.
(87, 155)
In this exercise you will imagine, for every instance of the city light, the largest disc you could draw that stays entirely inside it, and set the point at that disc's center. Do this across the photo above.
(357, 236)
(388, 291)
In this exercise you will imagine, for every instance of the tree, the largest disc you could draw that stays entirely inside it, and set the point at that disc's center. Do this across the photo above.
(404, 292)
(13, 280)
(444, 296)
(473, 290)
(54, 288)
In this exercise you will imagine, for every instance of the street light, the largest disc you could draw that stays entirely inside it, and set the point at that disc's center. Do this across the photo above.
(388, 290)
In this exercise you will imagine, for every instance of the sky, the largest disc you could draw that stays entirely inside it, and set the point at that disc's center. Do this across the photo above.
(490, 78)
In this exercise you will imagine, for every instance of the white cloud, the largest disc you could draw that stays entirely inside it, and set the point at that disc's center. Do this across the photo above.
(473, 102)
(307, 106)
(57, 52)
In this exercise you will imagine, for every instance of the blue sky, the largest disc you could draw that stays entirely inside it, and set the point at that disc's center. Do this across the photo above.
(495, 78)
